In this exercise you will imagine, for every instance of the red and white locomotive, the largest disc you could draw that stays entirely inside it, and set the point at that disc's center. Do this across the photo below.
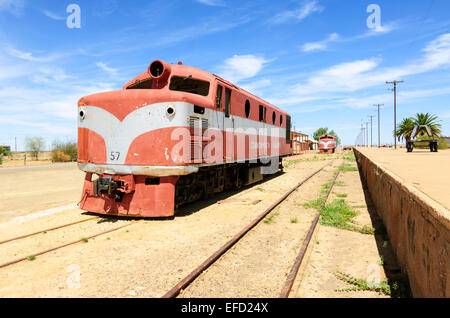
(172, 135)
(327, 144)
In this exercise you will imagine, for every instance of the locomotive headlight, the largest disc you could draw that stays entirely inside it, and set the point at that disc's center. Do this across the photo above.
(81, 113)
(171, 110)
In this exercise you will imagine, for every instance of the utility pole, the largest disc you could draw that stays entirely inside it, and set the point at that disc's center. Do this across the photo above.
(395, 109)
(371, 131)
(367, 134)
(378, 105)
(363, 134)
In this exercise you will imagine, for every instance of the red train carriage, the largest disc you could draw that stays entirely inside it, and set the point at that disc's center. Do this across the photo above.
(172, 135)
(327, 144)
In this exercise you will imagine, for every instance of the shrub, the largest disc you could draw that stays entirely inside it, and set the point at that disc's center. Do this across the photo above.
(64, 151)
(59, 156)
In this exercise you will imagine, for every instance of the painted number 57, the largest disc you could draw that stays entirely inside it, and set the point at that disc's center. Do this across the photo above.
(114, 155)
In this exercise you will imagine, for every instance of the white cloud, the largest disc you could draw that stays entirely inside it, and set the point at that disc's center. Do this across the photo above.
(320, 45)
(27, 56)
(309, 7)
(52, 15)
(213, 3)
(12, 6)
(103, 66)
(347, 77)
(256, 85)
(240, 67)
(356, 75)
(382, 29)
(49, 74)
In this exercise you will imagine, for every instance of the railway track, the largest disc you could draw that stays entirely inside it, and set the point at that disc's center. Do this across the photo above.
(46, 230)
(191, 277)
(34, 254)
(298, 261)
(186, 281)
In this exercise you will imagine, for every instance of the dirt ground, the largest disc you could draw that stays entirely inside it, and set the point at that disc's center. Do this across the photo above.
(142, 260)
(363, 256)
(427, 171)
(34, 189)
(146, 259)
(258, 265)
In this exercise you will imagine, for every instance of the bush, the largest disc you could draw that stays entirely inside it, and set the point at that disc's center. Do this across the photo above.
(1, 158)
(64, 151)
(59, 156)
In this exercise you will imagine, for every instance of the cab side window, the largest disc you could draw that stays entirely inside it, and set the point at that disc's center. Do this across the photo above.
(227, 102)
(219, 97)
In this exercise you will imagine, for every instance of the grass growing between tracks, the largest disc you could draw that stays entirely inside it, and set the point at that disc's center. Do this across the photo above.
(394, 288)
(293, 162)
(269, 219)
(349, 156)
(347, 167)
(339, 214)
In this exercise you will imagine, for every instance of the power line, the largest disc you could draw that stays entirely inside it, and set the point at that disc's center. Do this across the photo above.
(395, 108)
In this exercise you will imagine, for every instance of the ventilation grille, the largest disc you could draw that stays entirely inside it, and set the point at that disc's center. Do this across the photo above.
(197, 127)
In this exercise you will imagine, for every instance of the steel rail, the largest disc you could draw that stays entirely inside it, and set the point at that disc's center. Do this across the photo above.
(66, 244)
(46, 230)
(175, 291)
(298, 261)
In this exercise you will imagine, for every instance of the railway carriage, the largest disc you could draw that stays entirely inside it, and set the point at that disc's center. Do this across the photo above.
(174, 134)
(327, 144)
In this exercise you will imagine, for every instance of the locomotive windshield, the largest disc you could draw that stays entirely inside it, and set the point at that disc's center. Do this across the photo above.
(189, 85)
(145, 84)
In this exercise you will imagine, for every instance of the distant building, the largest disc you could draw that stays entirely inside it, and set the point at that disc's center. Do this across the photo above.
(313, 145)
(299, 143)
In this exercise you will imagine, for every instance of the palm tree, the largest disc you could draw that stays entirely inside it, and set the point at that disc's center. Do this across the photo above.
(428, 120)
(405, 128)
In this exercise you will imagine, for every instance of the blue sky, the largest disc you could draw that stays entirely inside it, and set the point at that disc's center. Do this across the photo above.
(316, 59)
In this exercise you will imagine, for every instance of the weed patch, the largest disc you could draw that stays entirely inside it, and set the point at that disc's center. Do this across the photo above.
(339, 214)
(395, 288)
(312, 204)
(347, 167)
